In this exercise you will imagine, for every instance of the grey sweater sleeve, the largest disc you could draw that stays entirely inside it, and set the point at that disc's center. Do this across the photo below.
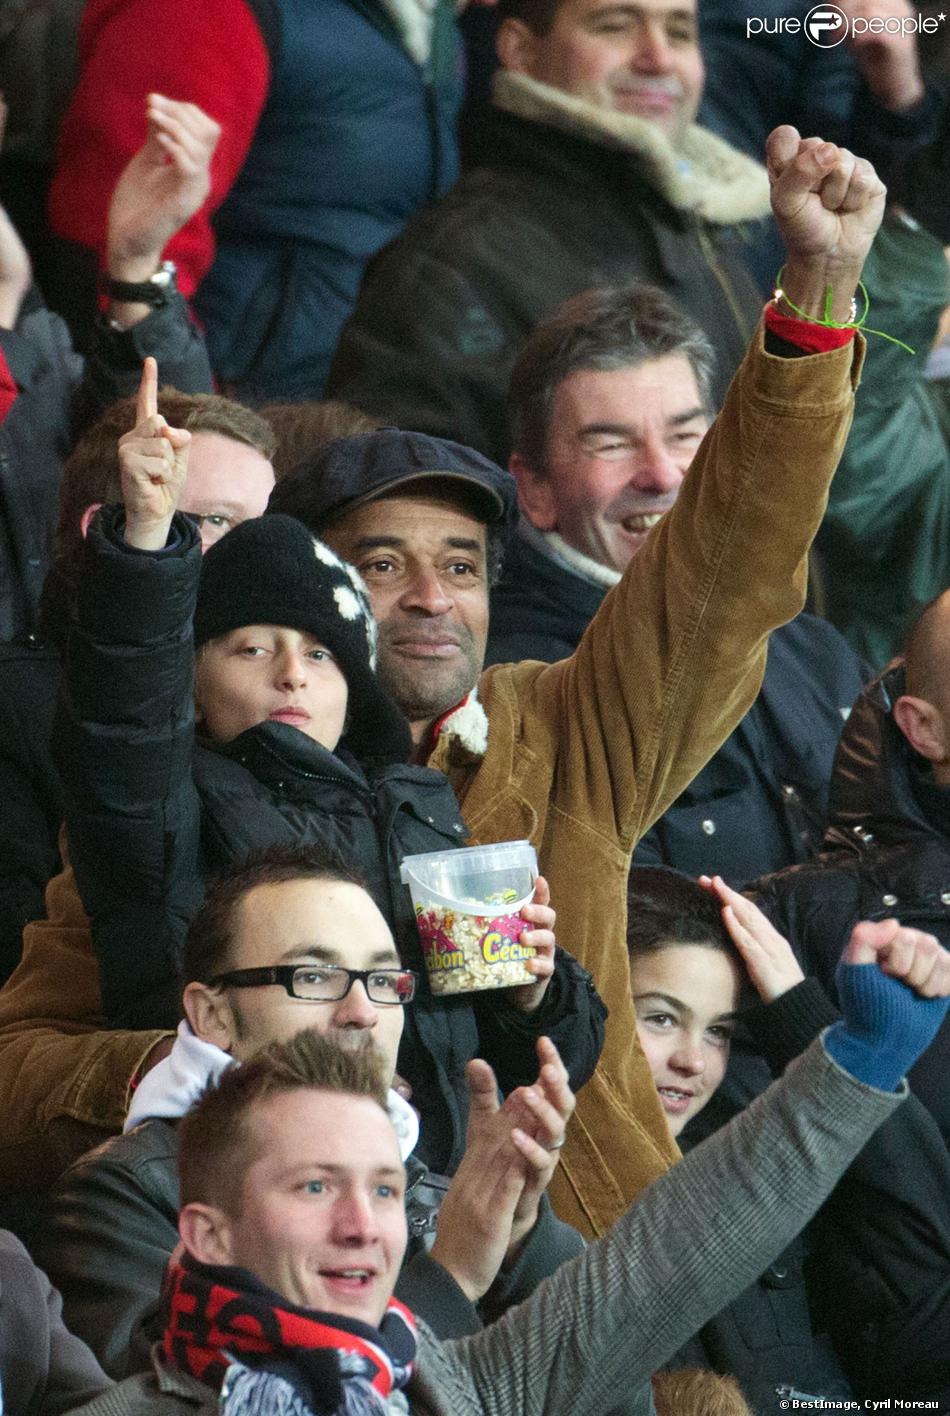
(694, 1240)
(45, 1369)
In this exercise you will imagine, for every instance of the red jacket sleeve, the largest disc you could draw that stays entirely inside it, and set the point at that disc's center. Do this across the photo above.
(209, 52)
(8, 388)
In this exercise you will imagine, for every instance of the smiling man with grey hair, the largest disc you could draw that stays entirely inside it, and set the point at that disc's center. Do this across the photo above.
(609, 401)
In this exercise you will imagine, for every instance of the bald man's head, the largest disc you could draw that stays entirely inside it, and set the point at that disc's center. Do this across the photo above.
(923, 712)
(927, 651)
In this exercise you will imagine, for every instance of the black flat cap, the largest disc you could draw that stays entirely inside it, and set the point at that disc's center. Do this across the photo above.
(347, 472)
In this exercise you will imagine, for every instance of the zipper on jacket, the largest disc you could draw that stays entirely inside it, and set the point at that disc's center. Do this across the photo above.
(369, 800)
(281, 783)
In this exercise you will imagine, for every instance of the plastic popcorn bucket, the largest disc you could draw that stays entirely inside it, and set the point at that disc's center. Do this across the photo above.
(468, 905)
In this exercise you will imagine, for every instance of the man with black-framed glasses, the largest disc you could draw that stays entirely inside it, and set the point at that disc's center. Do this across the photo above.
(288, 941)
(327, 983)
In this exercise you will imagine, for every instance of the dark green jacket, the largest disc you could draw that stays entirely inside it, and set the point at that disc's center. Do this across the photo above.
(884, 545)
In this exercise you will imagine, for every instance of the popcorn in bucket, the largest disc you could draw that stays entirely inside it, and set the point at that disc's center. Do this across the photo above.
(468, 906)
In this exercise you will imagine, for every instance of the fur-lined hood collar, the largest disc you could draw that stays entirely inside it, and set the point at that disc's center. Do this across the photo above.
(707, 176)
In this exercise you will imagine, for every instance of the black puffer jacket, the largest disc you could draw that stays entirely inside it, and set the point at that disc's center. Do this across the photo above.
(34, 438)
(31, 799)
(149, 816)
(887, 854)
(759, 804)
(57, 392)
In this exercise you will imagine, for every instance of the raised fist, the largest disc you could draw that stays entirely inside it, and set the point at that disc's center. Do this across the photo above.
(828, 204)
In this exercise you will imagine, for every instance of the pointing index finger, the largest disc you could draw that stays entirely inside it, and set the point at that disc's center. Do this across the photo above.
(147, 401)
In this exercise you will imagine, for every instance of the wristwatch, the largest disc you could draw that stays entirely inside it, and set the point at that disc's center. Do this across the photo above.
(154, 291)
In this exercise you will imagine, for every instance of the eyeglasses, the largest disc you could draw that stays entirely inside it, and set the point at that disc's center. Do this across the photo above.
(326, 983)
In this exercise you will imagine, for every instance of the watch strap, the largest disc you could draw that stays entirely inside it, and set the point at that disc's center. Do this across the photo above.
(154, 291)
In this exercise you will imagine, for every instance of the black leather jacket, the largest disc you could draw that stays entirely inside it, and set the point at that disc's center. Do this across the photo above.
(886, 854)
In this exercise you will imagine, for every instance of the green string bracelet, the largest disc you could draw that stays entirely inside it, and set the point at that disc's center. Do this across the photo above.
(855, 322)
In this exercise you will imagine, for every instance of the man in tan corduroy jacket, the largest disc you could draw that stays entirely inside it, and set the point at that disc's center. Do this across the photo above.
(582, 756)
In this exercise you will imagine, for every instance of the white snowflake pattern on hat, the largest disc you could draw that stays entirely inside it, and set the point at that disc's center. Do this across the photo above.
(351, 603)
(355, 605)
(346, 602)
(356, 580)
(328, 557)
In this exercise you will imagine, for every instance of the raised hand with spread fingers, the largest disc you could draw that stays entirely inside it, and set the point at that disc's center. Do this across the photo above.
(511, 1152)
(767, 955)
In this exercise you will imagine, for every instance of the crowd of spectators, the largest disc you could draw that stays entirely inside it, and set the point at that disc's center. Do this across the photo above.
(429, 425)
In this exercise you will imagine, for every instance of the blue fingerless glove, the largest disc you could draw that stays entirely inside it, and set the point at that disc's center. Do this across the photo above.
(886, 1025)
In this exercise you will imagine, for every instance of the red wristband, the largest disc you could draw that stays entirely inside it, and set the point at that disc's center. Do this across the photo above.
(812, 338)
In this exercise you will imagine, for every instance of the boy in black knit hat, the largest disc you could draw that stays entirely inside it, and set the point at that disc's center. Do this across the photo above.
(296, 742)
(268, 574)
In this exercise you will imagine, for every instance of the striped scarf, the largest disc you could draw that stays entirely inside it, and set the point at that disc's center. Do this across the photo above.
(268, 1358)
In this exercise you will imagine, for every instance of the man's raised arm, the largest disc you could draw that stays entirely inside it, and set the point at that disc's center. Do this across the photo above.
(677, 650)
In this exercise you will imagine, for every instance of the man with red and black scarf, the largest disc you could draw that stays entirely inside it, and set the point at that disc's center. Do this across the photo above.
(293, 1229)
